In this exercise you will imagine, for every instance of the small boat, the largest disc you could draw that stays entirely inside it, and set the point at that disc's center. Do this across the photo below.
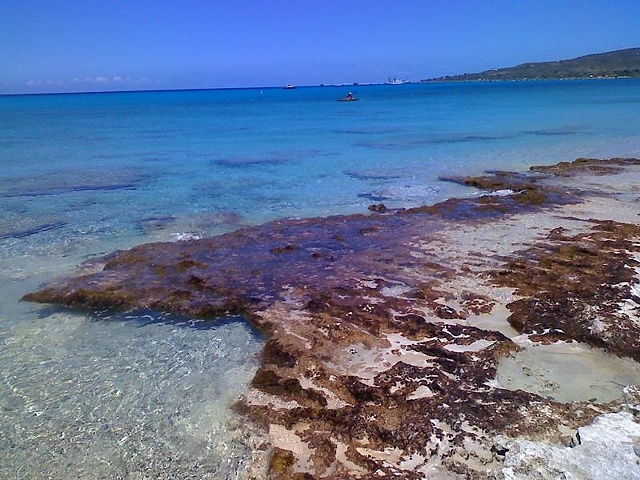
(289, 87)
(348, 98)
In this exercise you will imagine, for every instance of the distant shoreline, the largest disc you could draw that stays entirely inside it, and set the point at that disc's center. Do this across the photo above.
(495, 80)
(617, 64)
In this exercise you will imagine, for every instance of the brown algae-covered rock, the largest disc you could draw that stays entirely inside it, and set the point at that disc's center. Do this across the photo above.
(385, 331)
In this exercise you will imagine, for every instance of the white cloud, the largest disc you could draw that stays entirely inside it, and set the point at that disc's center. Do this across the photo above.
(116, 78)
(48, 83)
(97, 83)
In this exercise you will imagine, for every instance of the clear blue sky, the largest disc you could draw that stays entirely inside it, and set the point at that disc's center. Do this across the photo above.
(91, 45)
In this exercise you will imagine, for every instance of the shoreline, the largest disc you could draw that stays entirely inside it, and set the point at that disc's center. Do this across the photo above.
(560, 79)
(388, 362)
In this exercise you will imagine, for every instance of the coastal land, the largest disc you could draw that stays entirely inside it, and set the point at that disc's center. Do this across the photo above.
(489, 337)
(617, 64)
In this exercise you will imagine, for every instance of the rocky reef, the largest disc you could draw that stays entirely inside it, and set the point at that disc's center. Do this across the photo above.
(385, 331)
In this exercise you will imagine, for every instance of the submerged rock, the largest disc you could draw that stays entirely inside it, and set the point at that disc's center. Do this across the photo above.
(385, 331)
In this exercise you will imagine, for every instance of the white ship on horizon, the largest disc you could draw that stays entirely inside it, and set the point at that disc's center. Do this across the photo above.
(395, 81)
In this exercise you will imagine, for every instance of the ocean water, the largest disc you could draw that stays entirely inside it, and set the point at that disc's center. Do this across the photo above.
(99, 395)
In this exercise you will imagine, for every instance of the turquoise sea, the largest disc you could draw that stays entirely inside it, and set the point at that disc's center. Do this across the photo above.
(99, 395)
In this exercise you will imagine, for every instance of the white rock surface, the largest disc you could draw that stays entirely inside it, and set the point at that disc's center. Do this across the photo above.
(609, 449)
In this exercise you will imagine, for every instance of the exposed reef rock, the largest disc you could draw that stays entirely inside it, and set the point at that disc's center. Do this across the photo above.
(385, 331)
(592, 275)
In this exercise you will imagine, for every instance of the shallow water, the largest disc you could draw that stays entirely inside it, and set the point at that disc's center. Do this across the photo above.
(83, 175)
(118, 397)
(568, 372)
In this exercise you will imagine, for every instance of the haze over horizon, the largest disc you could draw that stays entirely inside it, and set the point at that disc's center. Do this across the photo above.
(64, 46)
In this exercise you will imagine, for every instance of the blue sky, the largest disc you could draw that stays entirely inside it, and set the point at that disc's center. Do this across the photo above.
(90, 45)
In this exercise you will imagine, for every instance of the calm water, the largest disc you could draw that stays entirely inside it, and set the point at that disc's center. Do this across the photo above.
(81, 175)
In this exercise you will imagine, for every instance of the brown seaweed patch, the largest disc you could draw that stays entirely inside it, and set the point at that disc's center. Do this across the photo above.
(287, 248)
(573, 288)
(509, 192)
(587, 165)
(281, 463)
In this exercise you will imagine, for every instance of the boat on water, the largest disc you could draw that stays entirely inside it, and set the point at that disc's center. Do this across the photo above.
(348, 98)
(289, 87)
(396, 81)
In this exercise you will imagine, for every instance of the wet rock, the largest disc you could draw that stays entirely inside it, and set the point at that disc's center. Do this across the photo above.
(378, 208)
(593, 166)
(575, 440)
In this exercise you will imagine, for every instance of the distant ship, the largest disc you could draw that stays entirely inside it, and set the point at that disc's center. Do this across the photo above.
(289, 87)
(395, 81)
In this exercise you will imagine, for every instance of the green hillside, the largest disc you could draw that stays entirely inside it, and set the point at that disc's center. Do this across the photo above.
(620, 63)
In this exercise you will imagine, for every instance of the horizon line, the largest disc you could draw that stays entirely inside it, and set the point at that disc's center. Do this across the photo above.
(199, 89)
